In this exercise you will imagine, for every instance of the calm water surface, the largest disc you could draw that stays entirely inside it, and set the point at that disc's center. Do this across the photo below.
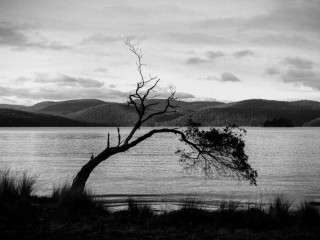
(287, 161)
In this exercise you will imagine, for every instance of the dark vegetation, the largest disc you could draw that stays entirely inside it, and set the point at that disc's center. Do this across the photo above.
(313, 123)
(253, 112)
(278, 122)
(17, 118)
(66, 214)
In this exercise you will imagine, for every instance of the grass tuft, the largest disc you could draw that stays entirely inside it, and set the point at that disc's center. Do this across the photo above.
(139, 210)
(229, 206)
(191, 204)
(14, 187)
(66, 197)
(280, 207)
(26, 185)
(279, 211)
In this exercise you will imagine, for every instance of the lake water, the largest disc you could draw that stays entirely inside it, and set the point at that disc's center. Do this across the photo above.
(287, 161)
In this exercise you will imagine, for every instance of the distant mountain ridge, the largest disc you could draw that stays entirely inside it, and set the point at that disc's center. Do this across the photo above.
(92, 112)
(18, 118)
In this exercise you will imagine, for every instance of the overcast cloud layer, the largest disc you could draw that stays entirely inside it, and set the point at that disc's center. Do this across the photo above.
(208, 49)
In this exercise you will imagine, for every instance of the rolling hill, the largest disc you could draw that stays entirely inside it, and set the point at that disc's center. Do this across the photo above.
(274, 105)
(65, 107)
(119, 114)
(108, 114)
(16, 107)
(185, 107)
(252, 112)
(17, 118)
(244, 116)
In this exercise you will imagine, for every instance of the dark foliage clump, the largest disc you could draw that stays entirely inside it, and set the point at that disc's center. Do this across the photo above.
(217, 152)
(73, 200)
(278, 122)
(308, 215)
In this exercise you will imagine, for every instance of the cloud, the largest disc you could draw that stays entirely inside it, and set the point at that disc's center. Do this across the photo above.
(196, 60)
(112, 86)
(297, 71)
(280, 23)
(54, 93)
(11, 35)
(15, 36)
(299, 63)
(67, 81)
(4, 91)
(243, 53)
(225, 77)
(211, 78)
(210, 56)
(213, 55)
(104, 39)
(229, 77)
(302, 16)
(100, 70)
(304, 77)
(284, 40)
(184, 95)
(165, 93)
(271, 71)
(198, 38)
(218, 23)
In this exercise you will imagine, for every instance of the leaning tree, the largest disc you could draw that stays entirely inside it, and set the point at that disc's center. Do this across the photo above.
(214, 151)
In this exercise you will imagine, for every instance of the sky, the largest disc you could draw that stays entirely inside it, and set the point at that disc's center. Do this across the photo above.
(209, 50)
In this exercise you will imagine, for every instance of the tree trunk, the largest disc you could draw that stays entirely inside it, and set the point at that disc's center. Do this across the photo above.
(79, 182)
(81, 178)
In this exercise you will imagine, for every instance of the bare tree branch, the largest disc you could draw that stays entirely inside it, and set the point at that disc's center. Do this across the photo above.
(142, 93)
(108, 142)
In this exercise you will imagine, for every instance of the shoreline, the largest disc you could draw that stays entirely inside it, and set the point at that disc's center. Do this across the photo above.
(171, 202)
(45, 218)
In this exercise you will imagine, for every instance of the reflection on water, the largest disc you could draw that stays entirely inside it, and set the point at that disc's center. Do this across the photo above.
(287, 161)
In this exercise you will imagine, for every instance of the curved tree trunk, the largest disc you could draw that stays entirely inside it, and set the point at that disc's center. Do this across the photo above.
(82, 176)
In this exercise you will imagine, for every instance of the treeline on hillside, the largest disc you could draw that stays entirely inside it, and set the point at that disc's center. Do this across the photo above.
(93, 112)
(278, 122)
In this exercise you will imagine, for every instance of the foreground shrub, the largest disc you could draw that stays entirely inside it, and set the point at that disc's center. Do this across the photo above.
(74, 200)
(308, 215)
(280, 207)
(279, 210)
(14, 187)
(139, 210)
(191, 213)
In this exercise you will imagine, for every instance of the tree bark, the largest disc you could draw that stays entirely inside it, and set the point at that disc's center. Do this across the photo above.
(82, 176)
